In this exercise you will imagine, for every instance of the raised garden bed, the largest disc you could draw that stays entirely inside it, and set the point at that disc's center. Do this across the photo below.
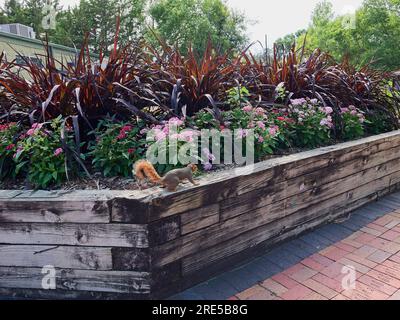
(149, 244)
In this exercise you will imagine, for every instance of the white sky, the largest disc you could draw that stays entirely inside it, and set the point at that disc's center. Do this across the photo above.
(275, 18)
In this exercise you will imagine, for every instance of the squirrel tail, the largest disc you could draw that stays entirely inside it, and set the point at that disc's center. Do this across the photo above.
(144, 169)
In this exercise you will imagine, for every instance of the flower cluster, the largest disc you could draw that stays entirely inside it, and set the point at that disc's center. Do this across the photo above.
(173, 129)
(117, 146)
(38, 154)
(310, 123)
(123, 133)
(353, 122)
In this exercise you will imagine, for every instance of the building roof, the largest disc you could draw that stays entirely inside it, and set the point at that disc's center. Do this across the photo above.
(40, 43)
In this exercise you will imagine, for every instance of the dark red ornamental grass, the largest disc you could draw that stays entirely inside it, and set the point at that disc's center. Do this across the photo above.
(319, 76)
(195, 82)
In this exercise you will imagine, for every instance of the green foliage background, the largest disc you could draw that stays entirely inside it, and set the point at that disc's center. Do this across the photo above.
(374, 39)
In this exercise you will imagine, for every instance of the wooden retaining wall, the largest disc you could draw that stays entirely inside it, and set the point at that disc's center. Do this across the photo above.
(151, 243)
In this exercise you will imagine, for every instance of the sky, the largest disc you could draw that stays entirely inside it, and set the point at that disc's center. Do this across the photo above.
(274, 18)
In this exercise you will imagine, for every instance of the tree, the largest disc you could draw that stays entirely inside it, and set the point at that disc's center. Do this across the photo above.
(188, 23)
(13, 11)
(287, 41)
(98, 17)
(374, 38)
(322, 14)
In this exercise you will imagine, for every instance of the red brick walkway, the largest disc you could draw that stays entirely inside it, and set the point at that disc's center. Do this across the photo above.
(373, 252)
(361, 250)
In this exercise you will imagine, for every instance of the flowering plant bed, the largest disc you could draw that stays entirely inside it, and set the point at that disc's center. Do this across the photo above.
(152, 243)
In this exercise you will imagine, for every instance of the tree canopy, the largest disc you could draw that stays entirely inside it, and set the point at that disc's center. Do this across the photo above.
(183, 23)
(372, 37)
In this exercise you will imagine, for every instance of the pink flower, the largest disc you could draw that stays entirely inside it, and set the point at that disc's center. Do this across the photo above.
(10, 147)
(207, 166)
(273, 130)
(188, 135)
(261, 125)
(31, 132)
(37, 126)
(144, 131)
(131, 150)
(344, 110)
(160, 135)
(260, 111)
(328, 110)
(126, 128)
(58, 152)
(247, 108)
(260, 139)
(165, 130)
(121, 136)
(175, 122)
(353, 112)
(327, 122)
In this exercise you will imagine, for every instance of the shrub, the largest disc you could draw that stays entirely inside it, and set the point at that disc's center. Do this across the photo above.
(117, 147)
(353, 123)
(243, 122)
(40, 155)
(311, 123)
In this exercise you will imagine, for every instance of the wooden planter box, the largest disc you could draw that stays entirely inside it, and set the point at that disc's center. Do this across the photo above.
(149, 244)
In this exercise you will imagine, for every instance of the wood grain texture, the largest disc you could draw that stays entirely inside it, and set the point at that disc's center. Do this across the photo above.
(346, 188)
(86, 258)
(199, 218)
(77, 280)
(95, 235)
(285, 228)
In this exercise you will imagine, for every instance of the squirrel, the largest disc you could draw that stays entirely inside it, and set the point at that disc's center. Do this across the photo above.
(144, 169)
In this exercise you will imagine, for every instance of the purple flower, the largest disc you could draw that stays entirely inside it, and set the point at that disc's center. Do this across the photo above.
(144, 131)
(58, 152)
(327, 122)
(208, 154)
(328, 110)
(207, 166)
(298, 102)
